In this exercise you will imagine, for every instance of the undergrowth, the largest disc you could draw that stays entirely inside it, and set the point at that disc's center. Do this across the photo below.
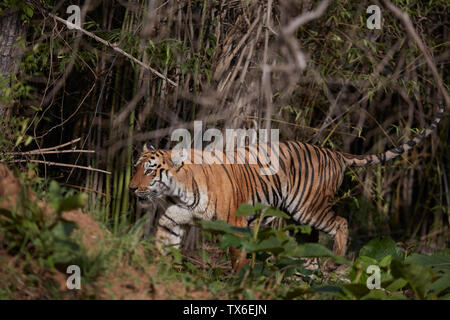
(36, 247)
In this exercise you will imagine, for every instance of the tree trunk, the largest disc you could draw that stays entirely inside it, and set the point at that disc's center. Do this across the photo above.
(10, 29)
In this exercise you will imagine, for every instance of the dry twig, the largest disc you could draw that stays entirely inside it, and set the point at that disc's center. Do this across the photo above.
(114, 47)
(50, 163)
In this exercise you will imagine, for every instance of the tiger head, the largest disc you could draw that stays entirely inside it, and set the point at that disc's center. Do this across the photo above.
(154, 174)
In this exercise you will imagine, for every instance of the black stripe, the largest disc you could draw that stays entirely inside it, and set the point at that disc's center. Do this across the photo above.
(168, 230)
(264, 188)
(321, 217)
(296, 174)
(249, 175)
(232, 189)
(165, 215)
(380, 157)
(316, 203)
(215, 210)
(398, 150)
(196, 194)
(309, 182)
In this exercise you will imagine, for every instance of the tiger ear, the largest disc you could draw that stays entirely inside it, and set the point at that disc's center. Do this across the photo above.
(148, 147)
(178, 157)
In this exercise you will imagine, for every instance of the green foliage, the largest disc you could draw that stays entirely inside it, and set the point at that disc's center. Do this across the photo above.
(26, 12)
(61, 203)
(29, 230)
(379, 248)
(276, 254)
(438, 262)
(347, 63)
(268, 244)
(43, 241)
(414, 272)
(277, 272)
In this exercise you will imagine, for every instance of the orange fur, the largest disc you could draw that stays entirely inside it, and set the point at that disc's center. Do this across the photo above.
(303, 186)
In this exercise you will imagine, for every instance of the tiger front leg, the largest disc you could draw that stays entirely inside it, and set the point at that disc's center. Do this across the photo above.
(170, 229)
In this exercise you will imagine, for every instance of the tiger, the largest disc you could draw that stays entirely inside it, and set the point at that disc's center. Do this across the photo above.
(304, 187)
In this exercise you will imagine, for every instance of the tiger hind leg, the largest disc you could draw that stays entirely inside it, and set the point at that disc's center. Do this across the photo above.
(335, 226)
(238, 259)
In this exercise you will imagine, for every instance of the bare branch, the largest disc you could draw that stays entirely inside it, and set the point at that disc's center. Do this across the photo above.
(50, 152)
(50, 163)
(114, 47)
(404, 18)
(58, 146)
(306, 17)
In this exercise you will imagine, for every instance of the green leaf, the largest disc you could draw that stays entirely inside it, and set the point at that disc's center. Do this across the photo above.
(191, 267)
(397, 284)
(385, 262)
(268, 245)
(446, 297)
(230, 240)
(397, 296)
(63, 251)
(305, 229)
(7, 214)
(63, 229)
(314, 250)
(418, 277)
(333, 289)
(440, 285)
(205, 256)
(246, 209)
(222, 226)
(72, 203)
(28, 11)
(297, 291)
(54, 188)
(28, 141)
(378, 294)
(273, 212)
(55, 194)
(356, 290)
(359, 269)
(18, 140)
(378, 248)
(284, 237)
(438, 262)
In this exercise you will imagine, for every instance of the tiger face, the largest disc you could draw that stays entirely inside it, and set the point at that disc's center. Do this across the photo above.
(153, 178)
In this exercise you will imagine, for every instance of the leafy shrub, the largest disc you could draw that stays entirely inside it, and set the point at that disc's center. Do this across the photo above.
(274, 245)
(29, 230)
(276, 254)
